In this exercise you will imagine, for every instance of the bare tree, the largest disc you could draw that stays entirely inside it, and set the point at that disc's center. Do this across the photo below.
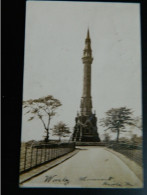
(116, 119)
(61, 130)
(44, 109)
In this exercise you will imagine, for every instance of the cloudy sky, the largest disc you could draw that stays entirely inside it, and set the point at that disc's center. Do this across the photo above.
(54, 43)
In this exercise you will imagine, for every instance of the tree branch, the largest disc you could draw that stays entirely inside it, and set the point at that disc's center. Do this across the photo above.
(49, 118)
(40, 117)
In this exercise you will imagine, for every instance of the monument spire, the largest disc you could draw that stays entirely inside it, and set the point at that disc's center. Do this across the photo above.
(86, 103)
(85, 129)
(88, 35)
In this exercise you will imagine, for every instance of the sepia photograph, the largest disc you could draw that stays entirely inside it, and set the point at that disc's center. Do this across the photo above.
(82, 96)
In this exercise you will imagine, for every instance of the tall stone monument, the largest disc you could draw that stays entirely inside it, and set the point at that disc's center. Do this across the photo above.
(85, 129)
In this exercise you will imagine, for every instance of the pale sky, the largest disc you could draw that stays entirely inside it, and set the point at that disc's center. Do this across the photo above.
(54, 43)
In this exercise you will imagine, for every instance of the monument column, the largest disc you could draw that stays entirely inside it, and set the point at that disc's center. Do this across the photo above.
(86, 103)
(85, 129)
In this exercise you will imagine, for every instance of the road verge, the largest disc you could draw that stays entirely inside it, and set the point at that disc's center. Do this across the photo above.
(41, 169)
(138, 170)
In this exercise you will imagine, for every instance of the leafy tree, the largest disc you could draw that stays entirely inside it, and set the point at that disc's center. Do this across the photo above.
(116, 119)
(106, 137)
(138, 122)
(44, 109)
(61, 130)
(136, 139)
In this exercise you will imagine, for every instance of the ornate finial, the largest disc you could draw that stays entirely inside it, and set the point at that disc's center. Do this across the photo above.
(88, 35)
(87, 52)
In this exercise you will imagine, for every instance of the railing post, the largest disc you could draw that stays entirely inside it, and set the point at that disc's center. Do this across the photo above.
(45, 153)
(31, 157)
(48, 153)
(25, 158)
(58, 154)
(55, 152)
(36, 155)
(41, 156)
(51, 154)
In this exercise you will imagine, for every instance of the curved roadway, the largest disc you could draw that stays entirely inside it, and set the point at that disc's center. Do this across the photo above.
(90, 167)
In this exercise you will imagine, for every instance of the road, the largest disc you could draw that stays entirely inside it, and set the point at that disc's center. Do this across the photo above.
(91, 167)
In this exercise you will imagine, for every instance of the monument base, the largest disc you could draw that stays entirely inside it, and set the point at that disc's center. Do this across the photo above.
(90, 138)
(90, 144)
(85, 129)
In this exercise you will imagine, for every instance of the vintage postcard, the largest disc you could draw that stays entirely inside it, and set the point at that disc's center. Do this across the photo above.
(82, 104)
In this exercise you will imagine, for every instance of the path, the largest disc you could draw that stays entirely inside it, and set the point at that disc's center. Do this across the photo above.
(91, 167)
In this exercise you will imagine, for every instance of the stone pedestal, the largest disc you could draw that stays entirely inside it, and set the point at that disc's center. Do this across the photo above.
(85, 129)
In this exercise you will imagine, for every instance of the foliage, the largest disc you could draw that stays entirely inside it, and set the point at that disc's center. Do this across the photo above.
(138, 122)
(116, 119)
(136, 139)
(42, 108)
(61, 130)
(106, 137)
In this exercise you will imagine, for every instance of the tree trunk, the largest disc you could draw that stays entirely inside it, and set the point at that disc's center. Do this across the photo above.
(60, 138)
(47, 135)
(47, 130)
(117, 139)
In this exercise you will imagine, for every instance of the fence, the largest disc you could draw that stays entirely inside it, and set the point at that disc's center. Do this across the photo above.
(132, 151)
(32, 156)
